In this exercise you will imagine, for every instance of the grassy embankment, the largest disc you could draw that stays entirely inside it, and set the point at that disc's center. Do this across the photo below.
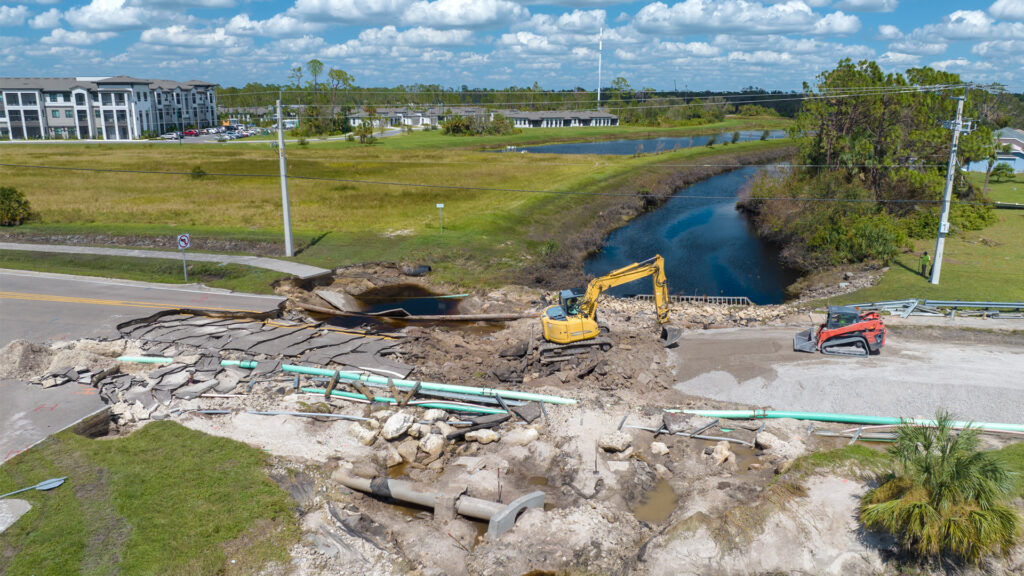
(488, 234)
(163, 500)
(985, 264)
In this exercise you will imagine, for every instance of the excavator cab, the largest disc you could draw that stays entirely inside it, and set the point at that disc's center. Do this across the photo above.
(570, 302)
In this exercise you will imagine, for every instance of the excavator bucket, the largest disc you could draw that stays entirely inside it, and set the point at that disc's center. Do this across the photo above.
(805, 341)
(670, 334)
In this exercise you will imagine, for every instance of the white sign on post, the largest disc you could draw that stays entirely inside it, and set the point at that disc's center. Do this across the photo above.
(184, 241)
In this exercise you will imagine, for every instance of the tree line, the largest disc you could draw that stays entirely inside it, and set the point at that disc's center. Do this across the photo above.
(871, 166)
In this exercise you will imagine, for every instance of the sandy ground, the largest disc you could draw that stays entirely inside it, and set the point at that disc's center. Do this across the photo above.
(917, 373)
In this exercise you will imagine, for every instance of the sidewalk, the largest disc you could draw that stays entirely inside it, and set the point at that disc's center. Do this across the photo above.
(302, 271)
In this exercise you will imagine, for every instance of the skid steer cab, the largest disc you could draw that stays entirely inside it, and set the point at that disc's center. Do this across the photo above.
(846, 332)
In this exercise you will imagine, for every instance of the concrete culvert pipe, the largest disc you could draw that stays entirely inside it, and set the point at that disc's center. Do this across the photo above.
(500, 517)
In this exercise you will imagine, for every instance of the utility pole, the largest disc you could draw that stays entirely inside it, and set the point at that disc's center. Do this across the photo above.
(958, 126)
(284, 181)
(600, 50)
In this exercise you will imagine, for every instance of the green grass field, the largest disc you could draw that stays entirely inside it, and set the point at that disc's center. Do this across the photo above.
(356, 203)
(985, 264)
(1011, 191)
(163, 500)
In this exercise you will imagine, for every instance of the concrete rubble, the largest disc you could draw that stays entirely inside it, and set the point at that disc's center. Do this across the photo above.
(618, 499)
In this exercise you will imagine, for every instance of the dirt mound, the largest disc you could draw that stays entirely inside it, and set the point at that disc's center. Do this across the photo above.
(23, 360)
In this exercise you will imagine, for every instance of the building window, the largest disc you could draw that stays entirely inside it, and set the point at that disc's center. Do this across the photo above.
(97, 113)
(11, 98)
(107, 99)
(68, 114)
(53, 97)
(28, 99)
(31, 116)
(55, 114)
(80, 99)
(119, 98)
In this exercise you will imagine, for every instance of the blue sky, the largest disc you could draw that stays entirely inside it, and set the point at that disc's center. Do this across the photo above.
(699, 44)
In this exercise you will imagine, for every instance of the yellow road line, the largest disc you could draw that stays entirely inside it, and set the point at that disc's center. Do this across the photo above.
(130, 303)
(134, 304)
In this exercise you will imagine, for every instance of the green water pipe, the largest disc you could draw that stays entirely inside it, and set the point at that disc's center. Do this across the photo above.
(250, 364)
(441, 405)
(145, 359)
(847, 418)
(507, 394)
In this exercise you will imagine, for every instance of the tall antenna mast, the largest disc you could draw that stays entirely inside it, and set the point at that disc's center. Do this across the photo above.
(600, 49)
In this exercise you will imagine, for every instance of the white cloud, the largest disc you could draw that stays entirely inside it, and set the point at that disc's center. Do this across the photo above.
(183, 36)
(177, 3)
(837, 23)
(1007, 9)
(762, 57)
(350, 11)
(955, 63)
(66, 52)
(898, 59)
(889, 32)
(577, 21)
(13, 15)
(919, 47)
(969, 25)
(868, 5)
(419, 36)
(701, 49)
(463, 13)
(48, 19)
(110, 15)
(76, 38)
(694, 16)
(525, 42)
(277, 26)
(999, 49)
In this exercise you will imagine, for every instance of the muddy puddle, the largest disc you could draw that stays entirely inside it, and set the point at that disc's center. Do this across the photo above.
(413, 298)
(657, 504)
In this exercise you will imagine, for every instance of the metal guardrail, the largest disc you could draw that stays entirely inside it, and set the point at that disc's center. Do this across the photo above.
(727, 300)
(910, 307)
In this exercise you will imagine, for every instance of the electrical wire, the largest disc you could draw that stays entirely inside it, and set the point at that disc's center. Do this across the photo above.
(479, 188)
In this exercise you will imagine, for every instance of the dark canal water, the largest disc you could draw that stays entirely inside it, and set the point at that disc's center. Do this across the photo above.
(709, 247)
(625, 147)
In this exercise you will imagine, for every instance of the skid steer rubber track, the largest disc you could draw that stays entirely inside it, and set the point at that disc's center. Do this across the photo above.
(847, 346)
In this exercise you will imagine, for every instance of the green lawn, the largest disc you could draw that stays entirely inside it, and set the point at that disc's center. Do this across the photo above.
(163, 500)
(977, 265)
(1003, 191)
(487, 233)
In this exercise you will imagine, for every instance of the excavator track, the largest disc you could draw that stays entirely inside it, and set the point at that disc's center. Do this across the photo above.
(847, 346)
(551, 352)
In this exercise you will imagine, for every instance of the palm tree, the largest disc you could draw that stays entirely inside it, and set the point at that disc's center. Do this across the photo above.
(948, 498)
(315, 67)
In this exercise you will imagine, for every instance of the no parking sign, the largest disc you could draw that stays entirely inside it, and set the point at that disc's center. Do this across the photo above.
(184, 241)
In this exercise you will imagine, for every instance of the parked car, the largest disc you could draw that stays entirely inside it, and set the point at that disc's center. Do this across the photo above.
(191, 132)
(172, 136)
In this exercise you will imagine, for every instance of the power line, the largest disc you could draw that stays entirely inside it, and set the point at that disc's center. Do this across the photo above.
(481, 188)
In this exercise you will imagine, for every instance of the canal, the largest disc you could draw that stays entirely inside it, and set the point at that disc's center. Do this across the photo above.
(626, 147)
(710, 248)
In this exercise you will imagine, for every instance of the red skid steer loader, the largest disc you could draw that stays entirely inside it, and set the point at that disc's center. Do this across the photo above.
(846, 332)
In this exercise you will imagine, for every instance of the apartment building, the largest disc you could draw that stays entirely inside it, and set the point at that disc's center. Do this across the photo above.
(102, 107)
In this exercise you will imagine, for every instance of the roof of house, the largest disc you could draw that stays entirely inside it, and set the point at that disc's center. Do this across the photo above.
(1010, 133)
(121, 80)
(44, 84)
(66, 84)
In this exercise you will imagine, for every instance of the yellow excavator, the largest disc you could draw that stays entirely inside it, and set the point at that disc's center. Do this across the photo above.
(571, 326)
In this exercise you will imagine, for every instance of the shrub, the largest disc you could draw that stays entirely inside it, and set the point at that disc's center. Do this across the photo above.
(303, 142)
(197, 172)
(14, 207)
(735, 137)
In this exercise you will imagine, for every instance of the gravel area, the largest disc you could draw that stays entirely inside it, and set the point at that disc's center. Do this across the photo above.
(915, 375)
